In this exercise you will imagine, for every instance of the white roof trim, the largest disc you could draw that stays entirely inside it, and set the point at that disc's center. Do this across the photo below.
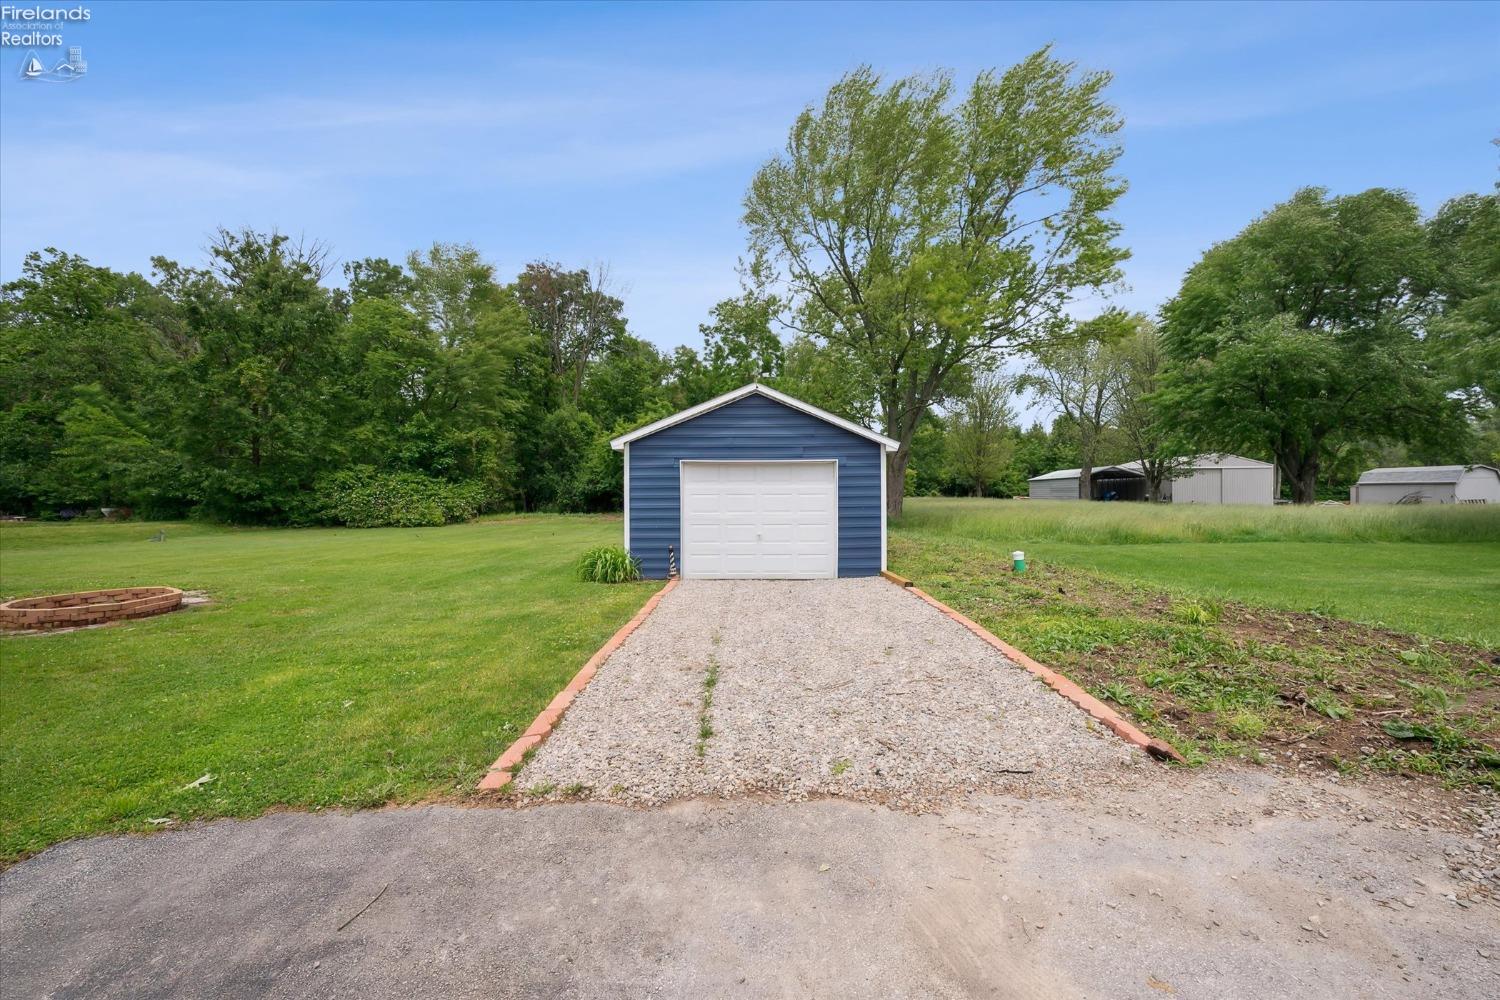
(754, 388)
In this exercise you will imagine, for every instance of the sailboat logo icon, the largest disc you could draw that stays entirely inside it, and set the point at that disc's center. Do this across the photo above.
(71, 68)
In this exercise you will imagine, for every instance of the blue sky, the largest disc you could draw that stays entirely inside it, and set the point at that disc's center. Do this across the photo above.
(628, 134)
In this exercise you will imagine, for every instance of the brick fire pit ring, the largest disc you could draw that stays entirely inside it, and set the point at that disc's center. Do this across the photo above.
(88, 607)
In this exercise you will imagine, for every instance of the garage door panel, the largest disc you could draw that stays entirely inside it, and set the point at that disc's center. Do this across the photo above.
(778, 503)
(760, 519)
(700, 503)
(739, 503)
(778, 534)
(736, 472)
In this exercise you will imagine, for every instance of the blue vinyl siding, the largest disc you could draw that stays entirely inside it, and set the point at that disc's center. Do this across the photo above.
(753, 429)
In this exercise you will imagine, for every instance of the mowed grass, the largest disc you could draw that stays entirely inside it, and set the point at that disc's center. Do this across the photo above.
(334, 668)
(1432, 571)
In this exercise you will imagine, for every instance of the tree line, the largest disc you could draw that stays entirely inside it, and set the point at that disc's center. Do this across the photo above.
(908, 247)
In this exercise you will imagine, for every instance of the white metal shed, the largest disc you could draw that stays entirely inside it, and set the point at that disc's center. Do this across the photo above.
(1224, 479)
(1122, 480)
(1428, 484)
(1215, 479)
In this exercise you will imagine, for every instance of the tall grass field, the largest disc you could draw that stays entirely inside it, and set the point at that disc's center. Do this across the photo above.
(1425, 570)
(1145, 524)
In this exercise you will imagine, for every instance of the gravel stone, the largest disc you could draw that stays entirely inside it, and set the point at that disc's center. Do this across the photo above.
(847, 688)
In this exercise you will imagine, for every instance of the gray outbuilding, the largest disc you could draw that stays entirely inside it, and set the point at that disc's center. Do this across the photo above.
(1209, 479)
(1428, 484)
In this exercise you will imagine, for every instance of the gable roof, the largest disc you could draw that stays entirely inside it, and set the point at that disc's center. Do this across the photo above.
(1128, 467)
(1196, 463)
(753, 389)
(1199, 463)
(1420, 475)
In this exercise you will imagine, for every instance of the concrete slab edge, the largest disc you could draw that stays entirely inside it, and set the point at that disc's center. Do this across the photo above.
(501, 772)
(1102, 713)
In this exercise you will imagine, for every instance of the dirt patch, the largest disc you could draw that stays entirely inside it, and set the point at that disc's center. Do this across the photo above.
(1221, 679)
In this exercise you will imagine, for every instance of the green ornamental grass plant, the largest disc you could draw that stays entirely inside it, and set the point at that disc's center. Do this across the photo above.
(608, 564)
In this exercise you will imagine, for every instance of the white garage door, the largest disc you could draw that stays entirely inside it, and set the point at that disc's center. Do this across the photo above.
(760, 520)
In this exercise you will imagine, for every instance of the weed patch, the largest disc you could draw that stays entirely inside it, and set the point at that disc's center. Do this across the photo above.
(1221, 679)
(705, 718)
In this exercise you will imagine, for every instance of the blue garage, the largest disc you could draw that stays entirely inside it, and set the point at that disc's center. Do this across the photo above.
(755, 485)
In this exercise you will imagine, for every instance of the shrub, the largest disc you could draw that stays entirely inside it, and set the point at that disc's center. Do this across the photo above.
(360, 498)
(608, 564)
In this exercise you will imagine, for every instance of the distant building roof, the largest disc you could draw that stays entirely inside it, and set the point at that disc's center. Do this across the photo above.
(1419, 475)
(1134, 468)
(1131, 468)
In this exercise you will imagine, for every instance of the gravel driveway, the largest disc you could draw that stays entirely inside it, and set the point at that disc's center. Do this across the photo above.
(851, 688)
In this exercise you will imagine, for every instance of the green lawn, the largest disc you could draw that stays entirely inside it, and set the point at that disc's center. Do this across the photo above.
(1425, 570)
(333, 668)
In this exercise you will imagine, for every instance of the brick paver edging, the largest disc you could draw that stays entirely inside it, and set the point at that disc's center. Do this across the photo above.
(1160, 749)
(502, 770)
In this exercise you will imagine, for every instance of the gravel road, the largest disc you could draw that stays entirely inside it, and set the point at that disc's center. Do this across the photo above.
(850, 688)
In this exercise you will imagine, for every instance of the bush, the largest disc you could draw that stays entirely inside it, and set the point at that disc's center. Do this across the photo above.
(365, 499)
(608, 564)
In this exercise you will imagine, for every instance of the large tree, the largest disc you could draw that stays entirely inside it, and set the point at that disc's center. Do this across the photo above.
(1302, 334)
(437, 357)
(258, 395)
(924, 235)
(1080, 376)
(1140, 362)
(978, 442)
(1464, 237)
(576, 316)
(69, 328)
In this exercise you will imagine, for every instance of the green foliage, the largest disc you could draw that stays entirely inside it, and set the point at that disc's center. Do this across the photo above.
(1464, 240)
(1302, 335)
(362, 498)
(1328, 704)
(1194, 612)
(910, 228)
(87, 356)
(1080, 375)
(1247, 725)
(978, 446)
(608, 564)
(576, 318)
(105, 458)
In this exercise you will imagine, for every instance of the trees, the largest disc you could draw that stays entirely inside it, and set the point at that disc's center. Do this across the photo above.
(435, 358)
(1140, 362)
(1464, 240)
(1301, 335)
(257, 404)
(70, 330)
(923, 237)
(1081, 377)
(576, 317)
(978, 445)
(739, 345)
